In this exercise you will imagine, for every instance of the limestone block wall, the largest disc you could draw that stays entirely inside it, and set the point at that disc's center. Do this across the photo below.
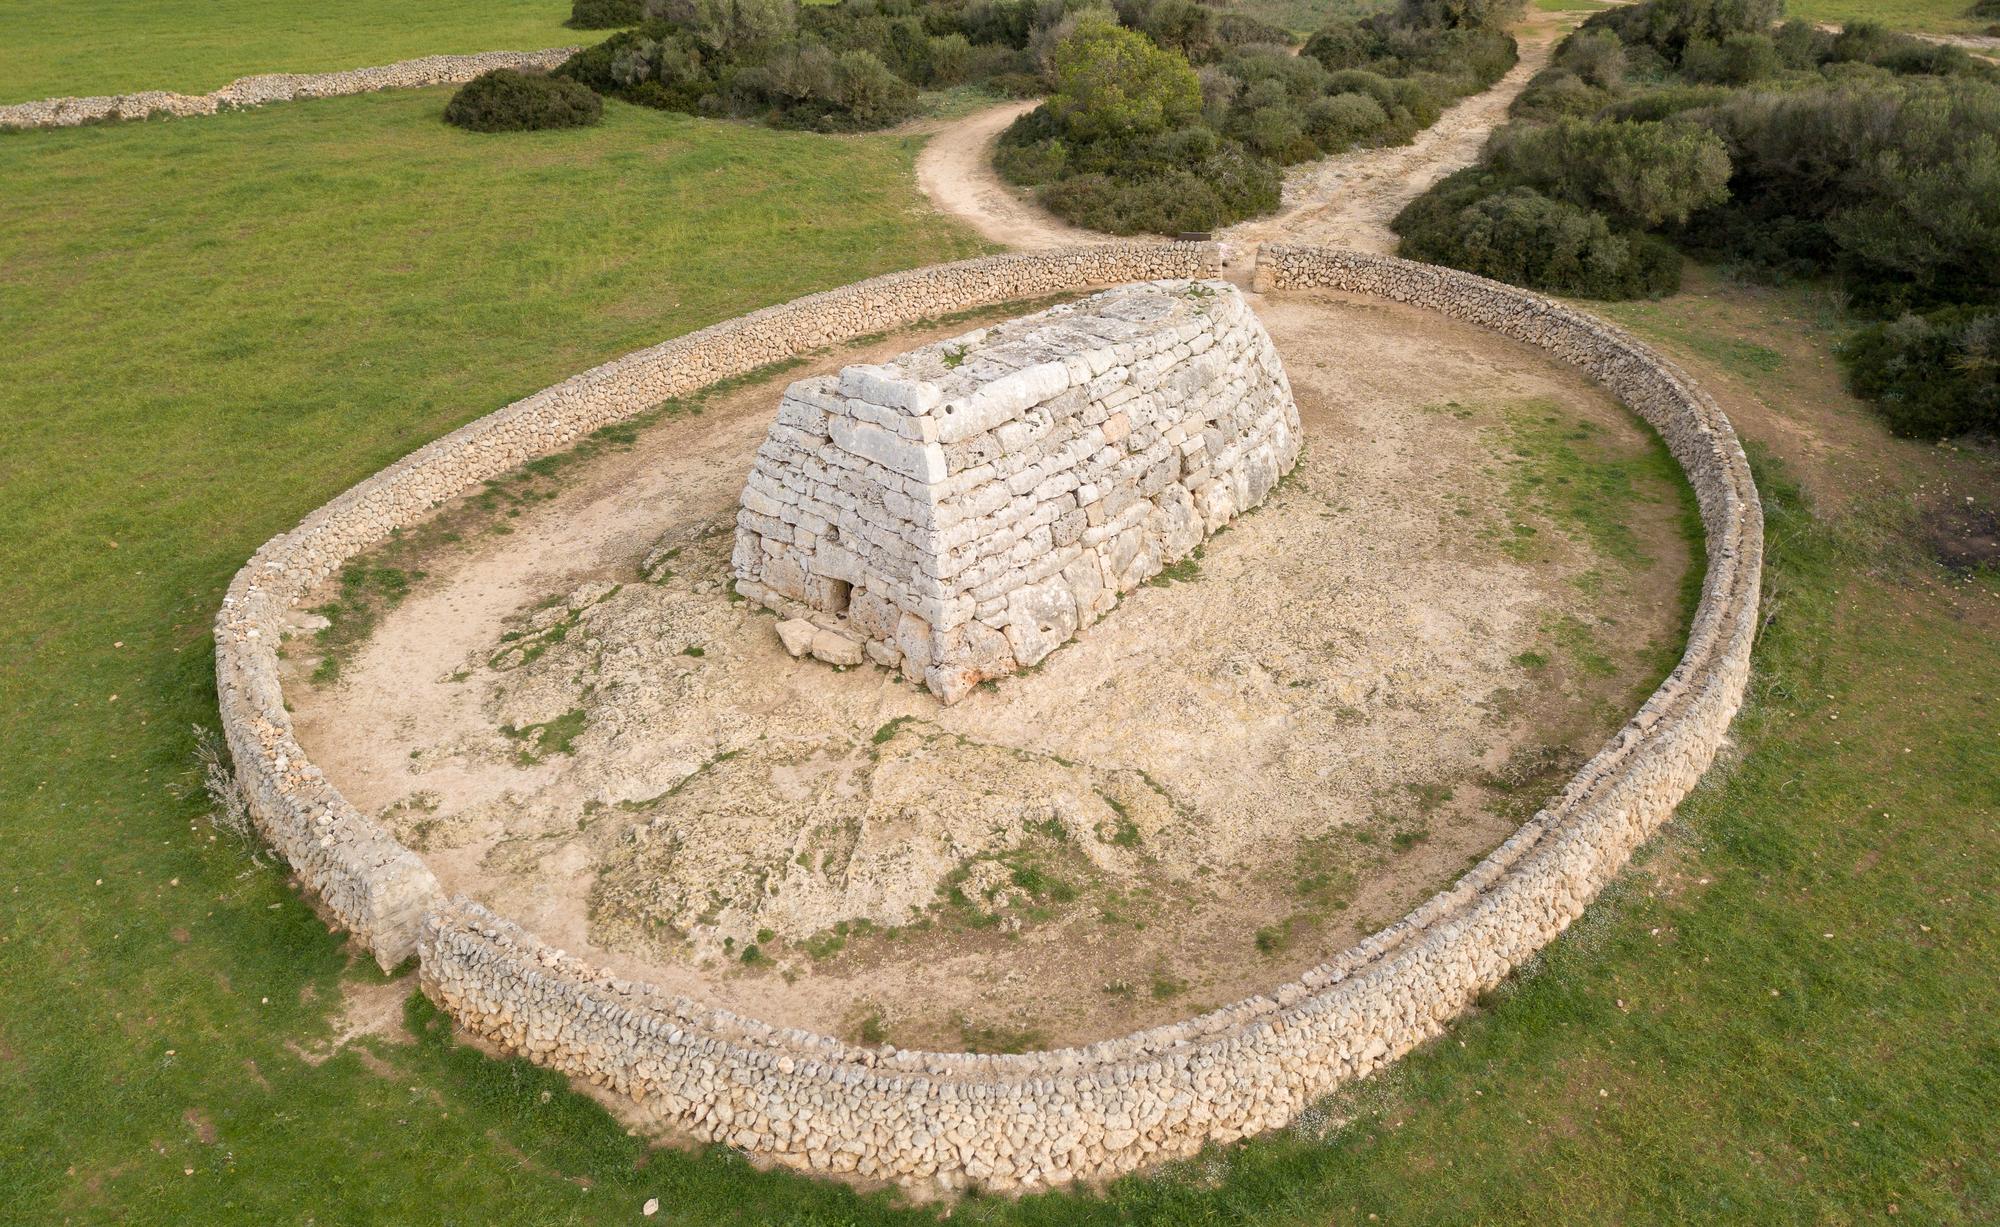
(273, 87)
(814, 1102)
(962, 511)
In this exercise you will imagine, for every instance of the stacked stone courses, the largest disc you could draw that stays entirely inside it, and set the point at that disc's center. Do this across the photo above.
(964, 510)
(273, 87)
(1089, 1112)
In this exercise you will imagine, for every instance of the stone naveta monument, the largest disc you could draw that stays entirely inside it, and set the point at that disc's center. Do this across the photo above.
(962, 511)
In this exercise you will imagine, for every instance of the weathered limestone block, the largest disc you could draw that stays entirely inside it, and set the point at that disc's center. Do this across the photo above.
(963, 511)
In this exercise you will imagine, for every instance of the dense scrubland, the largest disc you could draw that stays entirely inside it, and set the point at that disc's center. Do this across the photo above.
(1163, 116)
(1153, 126)
(1706, 128)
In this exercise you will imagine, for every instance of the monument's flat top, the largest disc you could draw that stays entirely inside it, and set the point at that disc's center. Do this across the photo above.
(1142, 316)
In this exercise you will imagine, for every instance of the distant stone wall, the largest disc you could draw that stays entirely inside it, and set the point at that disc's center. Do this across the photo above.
(963, 510)
(1025, 1121)
(273, 87)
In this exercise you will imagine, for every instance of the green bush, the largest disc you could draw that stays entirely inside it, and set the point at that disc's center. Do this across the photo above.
(1659, 104)
(1668, 26)
(1342, 44)
(1558, 93)
(508, 101)
(1339, 121)
(1931, 376)
(1520, 236)
(1596, 57)
(1866, 42)
(1645, 174)
(1225, 188)
(1802, 45)
(1112, 82)
(1738, 60)
(870, 95)
(605, 14)
(1234, 30)
(950, 59)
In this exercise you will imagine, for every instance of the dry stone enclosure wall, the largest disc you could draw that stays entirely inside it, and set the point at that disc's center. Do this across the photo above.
(962, 511)
(273, 87)
(1041, 1118)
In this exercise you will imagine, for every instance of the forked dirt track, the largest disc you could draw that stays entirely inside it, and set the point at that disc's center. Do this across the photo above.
(956, 171)
(1347, 200)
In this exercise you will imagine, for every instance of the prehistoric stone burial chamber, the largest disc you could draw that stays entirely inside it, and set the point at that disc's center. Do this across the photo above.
(961, 512)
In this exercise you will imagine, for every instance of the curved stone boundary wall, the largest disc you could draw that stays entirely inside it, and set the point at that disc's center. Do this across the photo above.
(813, 1102)
(273, 87)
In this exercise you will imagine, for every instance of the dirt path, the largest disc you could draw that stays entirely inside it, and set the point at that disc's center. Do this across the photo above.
(1348, 199)
(956, 171)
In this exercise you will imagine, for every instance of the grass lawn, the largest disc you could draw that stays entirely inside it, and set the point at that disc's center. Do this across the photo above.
(1928, 16)
(56, 47)
(1784, 1015)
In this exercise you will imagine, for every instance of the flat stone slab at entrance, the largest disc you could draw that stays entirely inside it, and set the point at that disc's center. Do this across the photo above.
(961, 512)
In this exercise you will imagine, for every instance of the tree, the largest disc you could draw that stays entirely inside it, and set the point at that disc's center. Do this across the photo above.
(1114, 82)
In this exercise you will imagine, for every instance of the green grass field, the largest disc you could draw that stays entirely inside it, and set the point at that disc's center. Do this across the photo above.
(57, 47)
(1784, 1015)
(1925, 16)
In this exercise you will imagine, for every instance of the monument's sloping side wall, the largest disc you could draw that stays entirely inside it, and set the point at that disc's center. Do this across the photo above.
(814, 1102)
(963, 510)
(273, 87)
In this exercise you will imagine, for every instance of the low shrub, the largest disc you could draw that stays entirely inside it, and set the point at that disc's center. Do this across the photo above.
(1931, 376)
(1737, 60)
(1223, 188)
(1659, 104)
(1669, 26)
(1866, 42)
(1558, 94)
(1596, 57)
(1645, 174)
(508, 101)
(1518, 235)
(605, 14)
(1340, 121)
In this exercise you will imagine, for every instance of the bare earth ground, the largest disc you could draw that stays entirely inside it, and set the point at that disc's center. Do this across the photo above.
(1360, 688)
